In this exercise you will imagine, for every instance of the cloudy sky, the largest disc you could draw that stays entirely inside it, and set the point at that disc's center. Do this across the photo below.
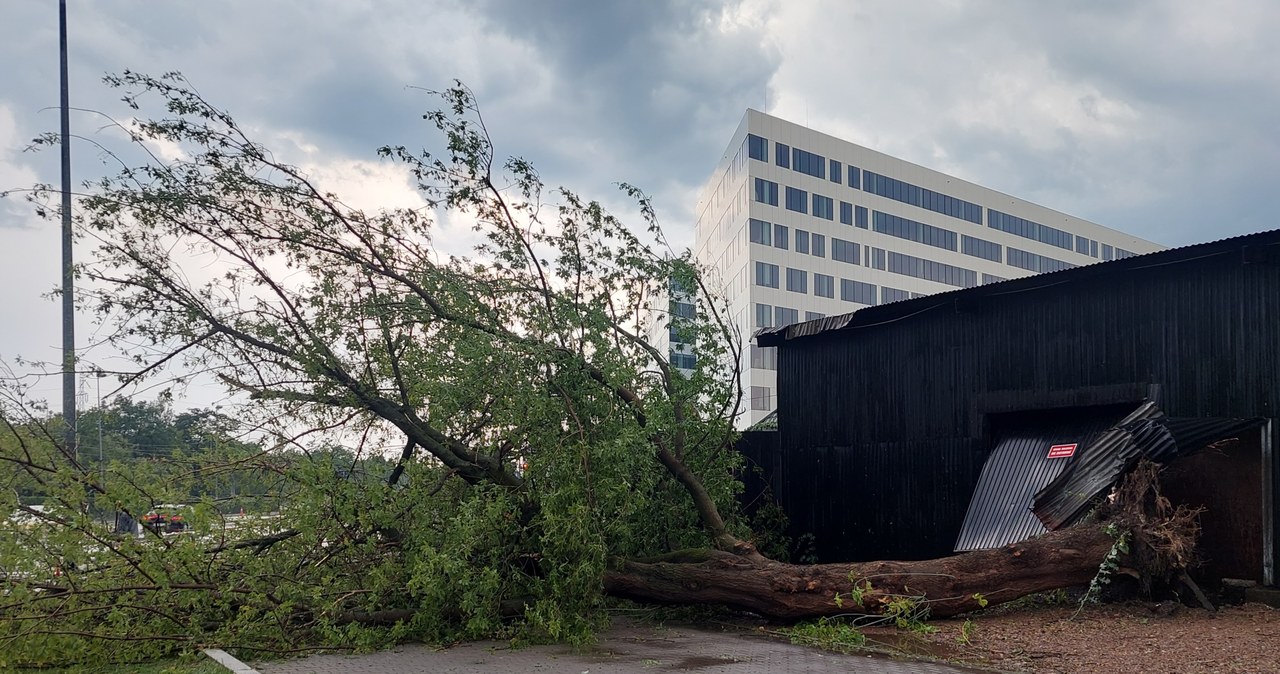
(1161, 118)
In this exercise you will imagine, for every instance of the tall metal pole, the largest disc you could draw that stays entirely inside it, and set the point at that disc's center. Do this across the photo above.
(68, 297)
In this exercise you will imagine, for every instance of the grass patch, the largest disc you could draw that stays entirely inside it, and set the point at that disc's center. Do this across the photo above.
(828, 634)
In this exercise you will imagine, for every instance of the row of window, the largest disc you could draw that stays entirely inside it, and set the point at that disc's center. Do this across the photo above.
(987, 250)
(888, 295)
(803, 161)
(683, 361)
(909, 265)
(915, 195)
(853, 215)
(1028, 229)
(768, 275)
(818, 166)
(1032, 262)
(911, 230)
(769, 316)
(904, 228)
(845, 251)
(769, 234)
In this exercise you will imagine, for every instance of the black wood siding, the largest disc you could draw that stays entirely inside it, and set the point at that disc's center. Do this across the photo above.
(1197, 327)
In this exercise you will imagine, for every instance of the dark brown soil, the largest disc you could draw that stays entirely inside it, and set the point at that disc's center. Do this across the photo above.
(1107, 639)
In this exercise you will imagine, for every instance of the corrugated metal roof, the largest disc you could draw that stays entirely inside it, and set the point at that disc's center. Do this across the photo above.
(1000, 510)
(1145, 433)
(1259, 246)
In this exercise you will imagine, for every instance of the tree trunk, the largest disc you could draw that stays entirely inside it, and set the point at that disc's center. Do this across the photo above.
(951, 585)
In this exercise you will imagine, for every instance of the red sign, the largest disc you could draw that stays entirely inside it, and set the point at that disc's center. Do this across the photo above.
(1062, 451)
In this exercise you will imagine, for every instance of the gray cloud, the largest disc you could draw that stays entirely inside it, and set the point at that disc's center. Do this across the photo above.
(1153, 117)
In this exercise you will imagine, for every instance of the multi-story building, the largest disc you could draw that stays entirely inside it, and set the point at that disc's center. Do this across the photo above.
(795, 225)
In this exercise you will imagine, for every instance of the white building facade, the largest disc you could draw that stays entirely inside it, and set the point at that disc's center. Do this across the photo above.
(795, 225)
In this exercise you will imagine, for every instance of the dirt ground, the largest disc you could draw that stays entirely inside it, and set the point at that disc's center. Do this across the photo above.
(1111, 638)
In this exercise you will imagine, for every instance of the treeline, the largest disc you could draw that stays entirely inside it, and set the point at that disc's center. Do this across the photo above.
(197, 455)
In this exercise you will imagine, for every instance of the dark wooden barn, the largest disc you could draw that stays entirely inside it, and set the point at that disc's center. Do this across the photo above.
(886, 415)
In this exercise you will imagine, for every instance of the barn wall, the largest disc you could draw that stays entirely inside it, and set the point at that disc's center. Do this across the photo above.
(1200, 334)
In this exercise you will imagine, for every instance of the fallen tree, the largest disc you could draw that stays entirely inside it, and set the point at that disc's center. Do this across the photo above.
(947, 586)
(544, 441)
(1162, 536)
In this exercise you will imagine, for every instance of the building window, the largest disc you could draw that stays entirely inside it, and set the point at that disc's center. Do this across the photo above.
(764, 357)
(987, 250)
(757, 147)
(1082, 245)
(1122, 254)
(844, 251)
(797, 200)
(846, 213)
(823, 285)
(802, 241)
(1032, 262)
(992, 278)
(797, 280)
(909, 265)
(861, 219)
(911, 230)
(857, 291)
(1093, 249)
(855, 177)
(761, 231)
(835, 172)
(808, 163)
(764, 316)
(1028, 229)
(813, 315)
(782, 155)
(888, 295)
(822, 207)
(684, 310)
(876, 260)
(683, 361)
(784, 316)
(766, 275)
(1107, 252)
(818, 245)
(766, 192)
(919, 196)
(760, 399)
(780, 236)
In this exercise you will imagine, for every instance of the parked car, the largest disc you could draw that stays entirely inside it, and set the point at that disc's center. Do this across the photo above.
(165, 519)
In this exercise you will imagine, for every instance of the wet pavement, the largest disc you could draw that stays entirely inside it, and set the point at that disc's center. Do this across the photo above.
(626, 647)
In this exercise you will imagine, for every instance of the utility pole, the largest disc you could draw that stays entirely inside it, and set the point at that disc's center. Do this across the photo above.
(68, 277)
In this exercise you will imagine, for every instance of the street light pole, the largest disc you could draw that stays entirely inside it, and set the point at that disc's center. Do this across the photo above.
(68, 276)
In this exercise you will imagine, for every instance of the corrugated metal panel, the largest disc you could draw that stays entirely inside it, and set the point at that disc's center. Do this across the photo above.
(1000, 511)
(1097, 466)
(1145, 433)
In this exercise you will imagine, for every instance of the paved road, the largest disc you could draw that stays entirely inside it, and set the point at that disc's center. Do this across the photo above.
(625, 648)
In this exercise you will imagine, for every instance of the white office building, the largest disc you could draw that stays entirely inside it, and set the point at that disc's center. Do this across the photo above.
(796, 224)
